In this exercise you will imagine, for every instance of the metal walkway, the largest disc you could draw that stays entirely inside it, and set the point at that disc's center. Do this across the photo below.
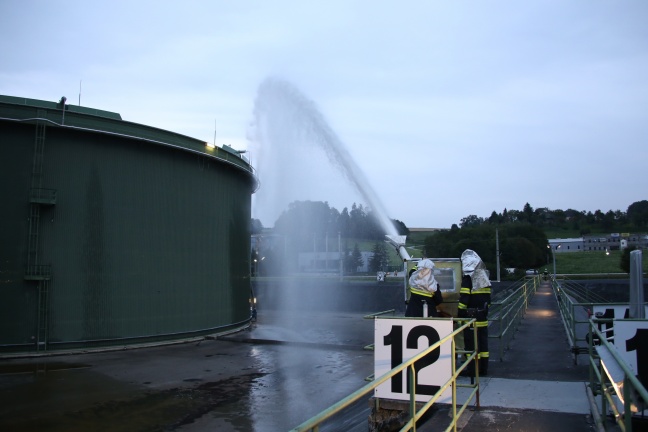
(536, 386)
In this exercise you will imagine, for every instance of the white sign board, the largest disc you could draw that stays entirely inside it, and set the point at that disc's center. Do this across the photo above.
(631, 342)
(398, 340)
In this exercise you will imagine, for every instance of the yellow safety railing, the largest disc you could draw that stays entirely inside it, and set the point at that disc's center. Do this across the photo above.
(505, 314)
(370, 347)
(610, 378)
(314, 423)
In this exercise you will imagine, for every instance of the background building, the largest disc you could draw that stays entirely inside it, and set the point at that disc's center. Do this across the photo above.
(563, 245)
(113, 232)
(599, 242)
(615, 241)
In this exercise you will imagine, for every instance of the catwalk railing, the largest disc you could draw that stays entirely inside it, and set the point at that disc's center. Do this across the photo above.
(508, 309)
(458, 408)
(577, 304)
(621, 391)
(615, 390)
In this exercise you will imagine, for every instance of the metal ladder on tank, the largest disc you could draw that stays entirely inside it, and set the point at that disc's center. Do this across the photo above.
(36, 271)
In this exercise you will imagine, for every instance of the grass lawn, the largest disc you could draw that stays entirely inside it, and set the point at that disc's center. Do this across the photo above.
(589, 262)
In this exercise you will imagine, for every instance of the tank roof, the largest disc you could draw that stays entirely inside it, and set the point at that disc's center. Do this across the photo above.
(53, 105)
(77, 117)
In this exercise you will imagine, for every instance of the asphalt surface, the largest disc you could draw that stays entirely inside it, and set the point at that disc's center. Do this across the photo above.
(289, 366)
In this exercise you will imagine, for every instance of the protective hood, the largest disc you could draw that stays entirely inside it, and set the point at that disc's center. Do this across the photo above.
(423, 278)
(473, 266)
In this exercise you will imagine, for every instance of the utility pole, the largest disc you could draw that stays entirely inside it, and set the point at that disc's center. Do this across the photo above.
(497, 253)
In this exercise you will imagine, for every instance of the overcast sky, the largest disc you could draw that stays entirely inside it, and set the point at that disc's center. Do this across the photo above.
(449, 108)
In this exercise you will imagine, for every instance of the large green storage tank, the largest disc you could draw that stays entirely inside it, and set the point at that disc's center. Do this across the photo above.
(115, 233)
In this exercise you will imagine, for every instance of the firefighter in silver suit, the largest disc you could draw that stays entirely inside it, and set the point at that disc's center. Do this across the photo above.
(474, 301)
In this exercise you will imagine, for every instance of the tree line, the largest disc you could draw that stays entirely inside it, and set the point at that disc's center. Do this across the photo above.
(584, 222)
(316, 220)
(522, 234)
(521, 245)
(308, 225)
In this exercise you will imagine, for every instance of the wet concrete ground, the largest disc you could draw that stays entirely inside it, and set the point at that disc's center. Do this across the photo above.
(287, 368)
(270, 378)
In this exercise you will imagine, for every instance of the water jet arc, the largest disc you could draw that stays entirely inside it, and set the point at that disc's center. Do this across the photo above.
(283, 114)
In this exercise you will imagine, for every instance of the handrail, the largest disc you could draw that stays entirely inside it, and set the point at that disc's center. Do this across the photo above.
(370, 347)
(597, 343)
(373, 315)
(508, 313)
(313, 423)
(567, 308)
(580, 292)
(575, 327)
(632, 387)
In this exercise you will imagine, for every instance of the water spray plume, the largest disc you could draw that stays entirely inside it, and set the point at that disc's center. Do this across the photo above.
(286, 119)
